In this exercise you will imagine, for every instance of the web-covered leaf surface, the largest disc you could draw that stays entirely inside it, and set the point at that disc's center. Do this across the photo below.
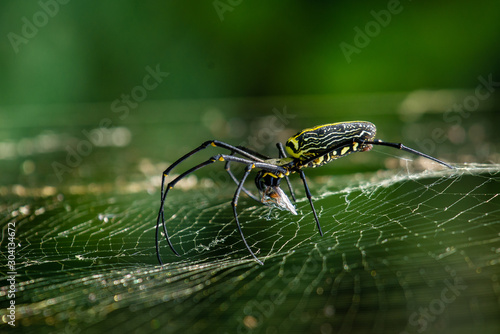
(406, 252)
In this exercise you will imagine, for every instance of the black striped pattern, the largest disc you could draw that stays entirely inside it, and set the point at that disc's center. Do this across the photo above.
(330, 141)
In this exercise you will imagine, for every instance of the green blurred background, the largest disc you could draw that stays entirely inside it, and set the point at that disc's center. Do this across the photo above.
(93, 51)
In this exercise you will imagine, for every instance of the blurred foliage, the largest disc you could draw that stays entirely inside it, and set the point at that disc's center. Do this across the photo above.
(92, 51)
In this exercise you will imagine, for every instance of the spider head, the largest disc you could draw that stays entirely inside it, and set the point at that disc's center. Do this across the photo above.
(271, 194)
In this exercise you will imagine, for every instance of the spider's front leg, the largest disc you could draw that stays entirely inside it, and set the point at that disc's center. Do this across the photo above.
(163, 195)
(220, 157)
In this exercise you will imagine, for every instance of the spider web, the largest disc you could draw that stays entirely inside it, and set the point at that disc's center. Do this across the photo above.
(402, 252)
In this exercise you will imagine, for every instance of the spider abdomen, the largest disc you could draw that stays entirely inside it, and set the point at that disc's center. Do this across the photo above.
(330, 141)
(323, 160)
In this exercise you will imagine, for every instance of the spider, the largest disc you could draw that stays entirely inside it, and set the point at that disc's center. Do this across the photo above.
(312, 147)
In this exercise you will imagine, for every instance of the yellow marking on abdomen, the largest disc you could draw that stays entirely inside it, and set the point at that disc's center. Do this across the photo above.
(289, 150)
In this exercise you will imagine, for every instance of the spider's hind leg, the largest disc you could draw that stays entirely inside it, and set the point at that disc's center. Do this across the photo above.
(402, 147)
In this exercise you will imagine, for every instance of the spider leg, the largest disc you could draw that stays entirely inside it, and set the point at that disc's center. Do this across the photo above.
(162, 205)
(163, 196)
(400, 146)
(254, 153)
(228, 170)
(234, 203)
(214, 143)
(219, 157)
(309, 197)
(282, 154)
(240, 150)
